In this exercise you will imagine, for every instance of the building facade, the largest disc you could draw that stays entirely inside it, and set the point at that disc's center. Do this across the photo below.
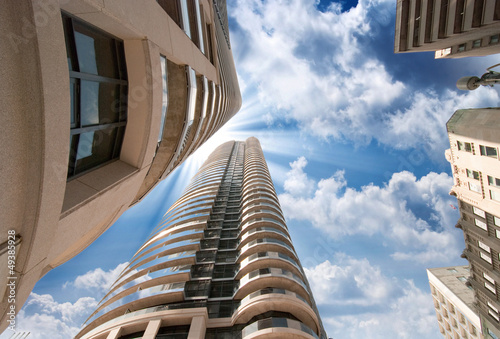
(220, 264)
(451, 28)
(473, 155)
(101, 100)
(454, 302)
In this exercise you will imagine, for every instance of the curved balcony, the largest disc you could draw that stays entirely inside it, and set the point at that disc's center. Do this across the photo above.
(268, 259)
(179, 266)
(267, 245)
(272, 277)
(275, 299)
(168, 289)
(167, 243)
(155, 258)
(255, 197)
(262, 213)
(268, 232)
(277, 328)
(256, 206)
(262, 222)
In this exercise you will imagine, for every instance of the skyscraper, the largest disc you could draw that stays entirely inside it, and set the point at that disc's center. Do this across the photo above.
(220, 264)
(454, 302)
(101, 100)
(453, 29)
(474, 158)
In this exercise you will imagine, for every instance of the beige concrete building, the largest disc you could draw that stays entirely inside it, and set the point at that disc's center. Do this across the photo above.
(451, 28)
(220, 264)
(101, 99)
(473, 155)
(454, 302)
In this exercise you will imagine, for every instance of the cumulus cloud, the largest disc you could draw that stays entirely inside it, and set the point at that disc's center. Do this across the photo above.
(350, 281)
(97, 279)
(412, 215)
(323, 70)
(46, 318)
(410, 315)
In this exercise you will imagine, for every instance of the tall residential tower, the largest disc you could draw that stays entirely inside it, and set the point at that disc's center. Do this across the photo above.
(474, 158)
(220, 264)
(101, 99)
(451, 28)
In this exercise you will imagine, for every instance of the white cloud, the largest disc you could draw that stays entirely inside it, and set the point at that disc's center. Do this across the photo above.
(46, 318)
(318, 68)
(296, 181)
(410, 315)
(98, 279)
(413, 216)
(349, 281)
(359, 300)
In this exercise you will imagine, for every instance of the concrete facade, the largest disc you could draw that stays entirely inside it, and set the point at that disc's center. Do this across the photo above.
(451, 28)
(172, 74)
(473, 155)
(454, 302)
(220, 264)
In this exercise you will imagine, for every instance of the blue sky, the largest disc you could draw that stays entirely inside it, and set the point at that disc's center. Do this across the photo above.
(354, 136)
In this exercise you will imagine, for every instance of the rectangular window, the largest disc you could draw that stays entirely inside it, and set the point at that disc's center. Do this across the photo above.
(481, 224)
(462, 279)
(478, 211)
(485, 257)
(492, 181)
(461, 47)
(484, 246)
(490, 279)
(452, 270)
(494, 315)
(464, 146)
(494, 195)
(490, 305)
(496, 220)
(473, 174)
(488, 151)
(476, 43)
(494, 39)
(98, 92)
(474, 187)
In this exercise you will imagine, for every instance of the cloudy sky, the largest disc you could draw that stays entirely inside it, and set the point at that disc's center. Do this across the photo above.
(354, 136)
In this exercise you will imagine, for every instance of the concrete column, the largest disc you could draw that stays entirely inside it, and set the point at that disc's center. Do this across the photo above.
(197, 329)
(450, 25)
(469, 10)
(489, 10)
(114, 333)
(152, 329)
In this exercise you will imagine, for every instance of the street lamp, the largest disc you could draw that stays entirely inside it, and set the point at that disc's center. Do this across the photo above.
(487, 79)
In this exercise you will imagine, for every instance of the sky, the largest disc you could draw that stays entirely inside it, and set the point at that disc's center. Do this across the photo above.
(354, 136)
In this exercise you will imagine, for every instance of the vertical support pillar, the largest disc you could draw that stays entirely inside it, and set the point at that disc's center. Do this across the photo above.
(152, 329)
(198, 328)
(114, 333)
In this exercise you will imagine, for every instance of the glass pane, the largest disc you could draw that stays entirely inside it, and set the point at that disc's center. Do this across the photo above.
(94, 148)
(100, 103)
(96, 52)
(85, 145)
(163, 63)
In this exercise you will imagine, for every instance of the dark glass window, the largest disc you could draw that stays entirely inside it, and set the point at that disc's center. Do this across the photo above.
(173, 332)
(225, 271)
(229, 244)
(198, 288)
(98, 91)
(205, 256)
(223, 289)
(202, 271)
(488, 151)
(227, 256)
